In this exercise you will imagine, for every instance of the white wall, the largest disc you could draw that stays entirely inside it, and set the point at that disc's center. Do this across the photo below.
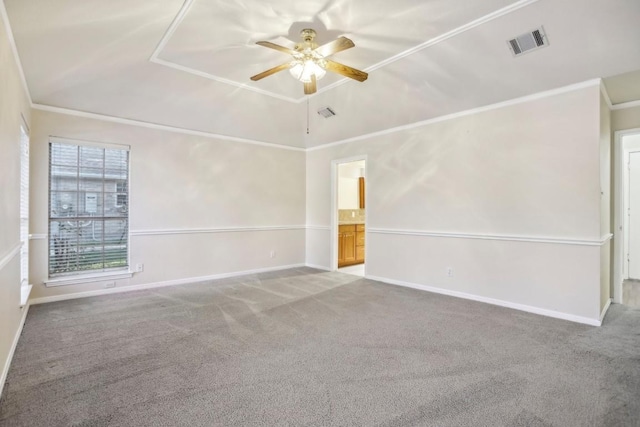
(13, 103)
(526, 173)
(199, 207)
(348, 184)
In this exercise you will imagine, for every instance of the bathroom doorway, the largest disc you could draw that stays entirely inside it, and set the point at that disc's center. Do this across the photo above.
(349, 212)
(627, 218)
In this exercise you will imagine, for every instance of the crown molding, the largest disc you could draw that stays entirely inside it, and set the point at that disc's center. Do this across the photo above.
(156, 126)
(625, 105)
(498, 105)
(605, 94)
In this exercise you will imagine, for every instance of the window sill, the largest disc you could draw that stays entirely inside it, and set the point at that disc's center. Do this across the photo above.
(88, 278)
(25, 290)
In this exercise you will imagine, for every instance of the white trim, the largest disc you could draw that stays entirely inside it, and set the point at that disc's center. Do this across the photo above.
(25, 291)
(37, 236)
(319, 227)
(449, 34)
(80, 279)
(333, 249)
(493, 301)
(431, 42)
(172, 28)
(605, 309)
(155, 126)
(10, 255)
(81, 142)
(605, 94)
(225, 81)
(512, 238)
(14, 344)
(167, 36)
(14, 50)
(622, 106)
(318, 267)
(213, 230)
(619, 217)
(498, 105)
(25, 126)
(190, 280)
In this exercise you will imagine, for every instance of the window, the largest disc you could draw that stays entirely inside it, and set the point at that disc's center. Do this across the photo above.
(24, 216)
(88, 215)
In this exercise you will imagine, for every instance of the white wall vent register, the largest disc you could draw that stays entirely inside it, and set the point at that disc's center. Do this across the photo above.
(528, 41)
(326, 112)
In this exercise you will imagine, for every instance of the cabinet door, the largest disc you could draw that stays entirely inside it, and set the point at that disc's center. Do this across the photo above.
(340, 248)
(349, 245)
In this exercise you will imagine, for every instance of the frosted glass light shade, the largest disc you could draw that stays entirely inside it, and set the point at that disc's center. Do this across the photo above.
(304, 70)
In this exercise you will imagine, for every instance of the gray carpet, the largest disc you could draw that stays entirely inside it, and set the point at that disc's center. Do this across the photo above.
(308, 348)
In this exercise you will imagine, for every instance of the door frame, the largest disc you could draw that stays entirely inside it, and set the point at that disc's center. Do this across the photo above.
(333, 252)
(621, 177)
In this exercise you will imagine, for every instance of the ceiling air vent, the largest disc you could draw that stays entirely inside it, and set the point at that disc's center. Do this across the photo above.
(326, 112)
(528, 41)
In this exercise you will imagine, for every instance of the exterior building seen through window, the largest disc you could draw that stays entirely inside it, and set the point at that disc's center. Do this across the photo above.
(88, 208)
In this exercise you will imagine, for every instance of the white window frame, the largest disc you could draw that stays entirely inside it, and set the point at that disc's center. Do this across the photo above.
(87, 276)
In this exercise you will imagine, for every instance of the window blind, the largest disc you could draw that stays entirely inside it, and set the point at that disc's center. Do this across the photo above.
(88, 207)
(24, 207)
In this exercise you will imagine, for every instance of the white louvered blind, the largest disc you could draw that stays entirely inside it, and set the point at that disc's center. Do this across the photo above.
(88, 207)
(24, 207)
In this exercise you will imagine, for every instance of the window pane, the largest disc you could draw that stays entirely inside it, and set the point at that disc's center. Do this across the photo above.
(116, 159)
(92, 157)
(83, 196)
(62, 154)
(64, 204)
(63, 254)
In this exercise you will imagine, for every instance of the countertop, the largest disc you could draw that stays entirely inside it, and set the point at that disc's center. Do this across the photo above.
(351, 223)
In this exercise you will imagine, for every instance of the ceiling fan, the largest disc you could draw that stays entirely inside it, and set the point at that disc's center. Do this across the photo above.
(310, 63)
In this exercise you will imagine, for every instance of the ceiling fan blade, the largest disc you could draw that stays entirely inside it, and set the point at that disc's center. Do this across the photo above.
(338, 45)
(310, 87)
(346, 71)
(277, 47)
(273, 70)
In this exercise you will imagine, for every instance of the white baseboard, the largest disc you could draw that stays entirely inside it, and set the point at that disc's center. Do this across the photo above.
(605, 309)
(5, 369)
(318, 267)
(516, 306)
(98, 292)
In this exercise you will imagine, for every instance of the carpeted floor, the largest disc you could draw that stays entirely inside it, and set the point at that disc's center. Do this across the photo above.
(308, 348)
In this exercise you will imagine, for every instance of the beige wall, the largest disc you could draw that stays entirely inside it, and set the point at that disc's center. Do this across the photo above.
(605, 201)
(183, 190)
(628, 118)
(530, 170)
(13, 103)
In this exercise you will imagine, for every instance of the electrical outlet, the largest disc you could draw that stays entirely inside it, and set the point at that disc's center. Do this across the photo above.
(272, 254)
(139, 268)
(110, 285)
(449, 271)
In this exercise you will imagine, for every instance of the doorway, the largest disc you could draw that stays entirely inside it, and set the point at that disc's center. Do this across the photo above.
(349, 214)
(627, 249)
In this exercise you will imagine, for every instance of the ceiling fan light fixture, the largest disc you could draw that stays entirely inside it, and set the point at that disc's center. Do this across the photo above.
(309, 61)
(303, 70)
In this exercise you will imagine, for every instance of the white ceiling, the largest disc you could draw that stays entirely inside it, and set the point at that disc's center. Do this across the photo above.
(187, 64)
